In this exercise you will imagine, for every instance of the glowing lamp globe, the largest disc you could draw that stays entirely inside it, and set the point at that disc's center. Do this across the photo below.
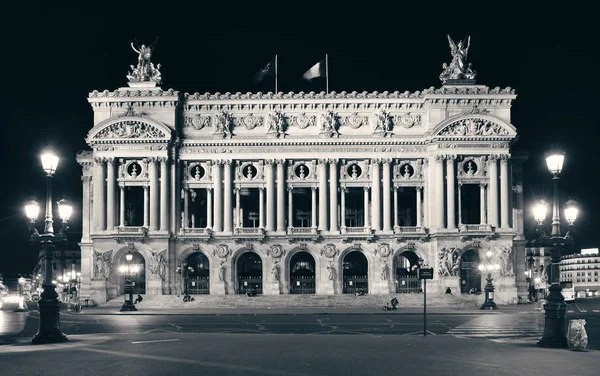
(129, 256)
(540, 210)
(554, 161)
(571, 211)
(64, 210)
(49, 162)
(32, 209)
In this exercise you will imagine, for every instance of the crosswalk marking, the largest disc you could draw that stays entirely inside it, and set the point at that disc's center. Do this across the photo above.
(504, 326)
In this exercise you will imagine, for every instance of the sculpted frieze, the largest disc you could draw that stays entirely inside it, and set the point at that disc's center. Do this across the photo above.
(355, 121)
(197, 122)
(407, 120)
(250, 121)
(130, 129)
(473, 127)
(303, 121)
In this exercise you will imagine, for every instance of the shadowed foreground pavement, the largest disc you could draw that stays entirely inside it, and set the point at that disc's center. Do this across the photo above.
(285, 354)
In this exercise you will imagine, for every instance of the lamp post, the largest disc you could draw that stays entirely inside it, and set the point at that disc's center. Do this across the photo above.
(128, 270)
(21, 281)
(179, 270)
(49, 305)
(489, 266)
(555, 319)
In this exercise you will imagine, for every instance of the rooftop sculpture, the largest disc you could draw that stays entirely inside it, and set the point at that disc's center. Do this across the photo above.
(145, 70)
(458, 68)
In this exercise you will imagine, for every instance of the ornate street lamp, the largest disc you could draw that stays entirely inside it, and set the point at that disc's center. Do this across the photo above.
(555, 307)
(178, 271)
(489, 266)
(128, 270)
(49, 305)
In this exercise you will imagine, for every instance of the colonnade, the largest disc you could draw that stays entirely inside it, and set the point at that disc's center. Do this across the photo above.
(435, 199)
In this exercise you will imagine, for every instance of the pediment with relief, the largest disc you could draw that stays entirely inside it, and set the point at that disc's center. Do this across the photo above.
(475, 126)
(128, 129)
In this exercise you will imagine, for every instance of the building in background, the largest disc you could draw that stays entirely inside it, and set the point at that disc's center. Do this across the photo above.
(318, 193)
(582, 270)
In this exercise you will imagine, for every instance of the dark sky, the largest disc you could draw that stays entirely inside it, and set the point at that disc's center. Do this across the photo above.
(53, 56)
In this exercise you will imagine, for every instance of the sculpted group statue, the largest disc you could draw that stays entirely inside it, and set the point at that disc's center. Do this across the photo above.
(448, 262)
(102, 264)
(276, 271)
(458, 68)
(506, 262)
(158, 266)
(332, 272)
(145, 70)
(275, 123)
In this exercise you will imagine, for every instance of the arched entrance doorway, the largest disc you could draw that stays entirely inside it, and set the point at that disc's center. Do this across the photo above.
(470, 276)
(302, 273)
(355, 269)
(138, 279)
(405, 265)
(249, 273)
(197, 274)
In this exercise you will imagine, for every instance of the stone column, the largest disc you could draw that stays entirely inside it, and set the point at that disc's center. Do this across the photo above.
(110, 194)
(280, 196)
(375, 196)
(323, 219)
(164, 195)
(209, 208)
(146, 206)
(504, 187)
(186, 208)
(493, 191)
(261, 207)
(450, 192)
(313, 219)
(99, 204)
(459, 204)
(122, 206)
(343, 207)
(86, 212)
(396, 207)
(438, 194)
(387, 202)
(238, 211)
(153, 171)
(426, 188)
(333, 196)
(366, 209)
(227, 192)
(270, 195)
(482, 203)
(418, 189)
(290, 207)
(218, 197)
(175, 198)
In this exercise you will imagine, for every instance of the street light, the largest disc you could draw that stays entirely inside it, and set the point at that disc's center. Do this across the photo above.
(489, 266)
(555, 307)
(128, 270)
(49, 305)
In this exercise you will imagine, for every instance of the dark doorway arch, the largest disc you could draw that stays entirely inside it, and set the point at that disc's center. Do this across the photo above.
(355, 269)
(197, 274)
(302, 273)
(405, 265)
(470, 276)
(249, 273)
(138, 279)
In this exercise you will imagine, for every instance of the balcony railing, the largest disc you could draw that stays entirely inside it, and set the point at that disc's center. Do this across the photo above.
(409, 230)
(131, 230)
(356, 230)
(249, 230)
(195, 231)
(302, 230)
(470, 228)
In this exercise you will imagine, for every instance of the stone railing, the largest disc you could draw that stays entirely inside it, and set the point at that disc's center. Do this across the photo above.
(302, 230)
(471, 228)
(409, 230)
(131, 230)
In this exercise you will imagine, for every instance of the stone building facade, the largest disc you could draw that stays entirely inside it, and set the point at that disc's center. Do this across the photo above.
(301, 193)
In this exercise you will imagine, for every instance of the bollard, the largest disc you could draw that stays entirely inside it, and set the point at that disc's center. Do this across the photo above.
(577, 338)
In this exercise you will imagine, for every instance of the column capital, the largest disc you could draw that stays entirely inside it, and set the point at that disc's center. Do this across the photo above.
(504, 158)
(418, 187)
(386, 161)
(147, 187)
(493, 157)
(424, 161)
(227, 162)
(289, 189)
(269, 162)
(450, 158)
(322, 161)
(313, 189)
(333, 161)
(163, 160)
(110, 160)
(280, 162)
(366, 188)
(440, 158)
(482, 185)
(86, 179)
(152, 160)
(100, 160)
(375, 160)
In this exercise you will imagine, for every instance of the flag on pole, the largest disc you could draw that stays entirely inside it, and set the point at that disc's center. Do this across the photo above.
(268, 70)
(317, 70)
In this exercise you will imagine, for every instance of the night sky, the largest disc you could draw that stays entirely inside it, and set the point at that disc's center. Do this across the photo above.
(53, 56)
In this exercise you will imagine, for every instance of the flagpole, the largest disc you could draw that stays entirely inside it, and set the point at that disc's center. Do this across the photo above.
(275, 74)
(327, 73)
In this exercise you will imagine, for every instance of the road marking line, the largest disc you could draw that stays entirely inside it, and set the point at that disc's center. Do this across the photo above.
(570, 311)
(160, 340)
(579, 308)
(596, 310)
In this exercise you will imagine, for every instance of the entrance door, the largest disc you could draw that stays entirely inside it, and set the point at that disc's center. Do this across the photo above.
(470, 276)
(249, 271)
(355, 273)
(197, 274)
(137, 279)
(302, 273)
(407, 280)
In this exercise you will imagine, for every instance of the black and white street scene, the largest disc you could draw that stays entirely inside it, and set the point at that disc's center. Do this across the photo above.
(299, 189)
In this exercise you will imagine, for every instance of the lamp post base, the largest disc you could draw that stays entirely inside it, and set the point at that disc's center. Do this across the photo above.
(489, 305)
(128, 303)
(555, 320)
(49, 329)
(489, 294)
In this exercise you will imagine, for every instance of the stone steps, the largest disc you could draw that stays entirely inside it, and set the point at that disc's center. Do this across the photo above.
(316, 301)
